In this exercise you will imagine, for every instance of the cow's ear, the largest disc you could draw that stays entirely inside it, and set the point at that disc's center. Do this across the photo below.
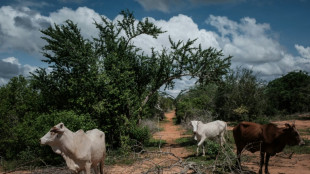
(288, 125)
(61, 128)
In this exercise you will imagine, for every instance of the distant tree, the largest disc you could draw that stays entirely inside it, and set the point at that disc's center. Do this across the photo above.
(196, 103)
(166, 103)
(290, 93)
(241, 97)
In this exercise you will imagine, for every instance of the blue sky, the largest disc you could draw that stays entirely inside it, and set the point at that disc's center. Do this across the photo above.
(271, 37)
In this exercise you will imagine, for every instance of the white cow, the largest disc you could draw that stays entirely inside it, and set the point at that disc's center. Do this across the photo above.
(80, 150)
(212, 130)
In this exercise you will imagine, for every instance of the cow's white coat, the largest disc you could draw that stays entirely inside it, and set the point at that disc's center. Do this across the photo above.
(80, 150)
(213, 130)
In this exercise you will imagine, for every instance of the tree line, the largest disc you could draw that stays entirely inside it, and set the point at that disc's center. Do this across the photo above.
(242, 96)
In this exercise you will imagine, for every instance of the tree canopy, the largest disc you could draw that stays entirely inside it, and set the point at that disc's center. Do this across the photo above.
(290, 93)
(110, 78)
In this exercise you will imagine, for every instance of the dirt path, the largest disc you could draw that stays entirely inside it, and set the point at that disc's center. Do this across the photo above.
(170, 134)
(166, 160)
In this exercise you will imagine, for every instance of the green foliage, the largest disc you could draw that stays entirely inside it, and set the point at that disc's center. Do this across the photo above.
(289, 93)
(106, 83)
(18, 101)
(155, 143)
(241, 97)
(72, 121)
(166, 103)
(197, 102)
(110, 79)
(140, 134)
(212, 148)
(74, 69)
(22, 144)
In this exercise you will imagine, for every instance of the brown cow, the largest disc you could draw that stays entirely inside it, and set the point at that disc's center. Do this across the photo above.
(266, 138)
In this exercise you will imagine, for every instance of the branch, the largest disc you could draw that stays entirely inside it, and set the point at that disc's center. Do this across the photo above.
(152, 92)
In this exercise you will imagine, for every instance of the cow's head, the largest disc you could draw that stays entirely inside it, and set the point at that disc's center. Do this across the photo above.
(195, 126)
(53, 135)
(292, 134)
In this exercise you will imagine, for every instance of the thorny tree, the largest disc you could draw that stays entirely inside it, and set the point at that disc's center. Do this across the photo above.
(112, 79)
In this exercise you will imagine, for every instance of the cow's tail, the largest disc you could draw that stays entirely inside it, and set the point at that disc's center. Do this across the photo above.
(225, 132)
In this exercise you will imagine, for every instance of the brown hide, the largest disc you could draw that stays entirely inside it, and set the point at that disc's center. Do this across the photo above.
(269, 138)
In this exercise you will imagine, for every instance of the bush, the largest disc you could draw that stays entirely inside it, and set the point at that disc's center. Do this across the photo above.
(151, 124)
(241, 97)
(212, 148)
(197, 103)
(72, 120)
(25, 144)
(140, 134)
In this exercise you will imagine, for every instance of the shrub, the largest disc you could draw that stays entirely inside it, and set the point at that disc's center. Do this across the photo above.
(140, 134)
(32, 129)
(151, 124)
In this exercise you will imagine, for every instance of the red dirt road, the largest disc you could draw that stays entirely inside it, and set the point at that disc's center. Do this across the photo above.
(170, 133)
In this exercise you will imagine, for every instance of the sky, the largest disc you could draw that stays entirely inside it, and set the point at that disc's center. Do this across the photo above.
(270, 37)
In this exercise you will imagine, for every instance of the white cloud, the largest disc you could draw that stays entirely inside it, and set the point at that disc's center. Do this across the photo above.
(83, 16)
(183, 84)
(179, 27)
(253, 46)
(304, 52)
(247, 41)
(10, 67)
(19, 29)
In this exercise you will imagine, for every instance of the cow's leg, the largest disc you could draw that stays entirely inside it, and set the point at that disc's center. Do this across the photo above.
(101, 166)
(203, 149)
(199, 144)
(95, 167)
(88, 168)
(197, 150)
(223, 141)
(262, 156)
(238, 162)
(266, 163)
